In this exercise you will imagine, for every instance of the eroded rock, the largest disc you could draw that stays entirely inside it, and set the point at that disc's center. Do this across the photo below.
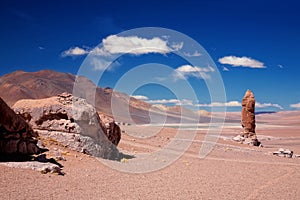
(248, 136)
(248, 113)
(112, 130)
(16, 136)
(70, 121)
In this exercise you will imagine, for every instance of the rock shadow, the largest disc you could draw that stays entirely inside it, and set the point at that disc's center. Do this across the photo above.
(25, 158)
(124, 156)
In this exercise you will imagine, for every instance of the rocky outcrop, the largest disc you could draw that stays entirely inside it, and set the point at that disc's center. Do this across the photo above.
(16, 136)
(248, 136)
(248, 113)
(69, 120)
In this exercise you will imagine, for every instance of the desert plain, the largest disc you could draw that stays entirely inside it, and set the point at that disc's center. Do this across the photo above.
(230, 171)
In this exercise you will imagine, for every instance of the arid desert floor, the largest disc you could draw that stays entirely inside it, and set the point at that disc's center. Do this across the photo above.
(230, 171)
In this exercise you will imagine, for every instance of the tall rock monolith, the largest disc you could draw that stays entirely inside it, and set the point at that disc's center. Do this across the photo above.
(248, 114)
(248, 135)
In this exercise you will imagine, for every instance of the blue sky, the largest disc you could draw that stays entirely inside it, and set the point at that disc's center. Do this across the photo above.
(254, 45)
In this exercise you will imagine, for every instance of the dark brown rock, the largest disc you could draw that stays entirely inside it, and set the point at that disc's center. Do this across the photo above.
(16, 135)
(111, 129)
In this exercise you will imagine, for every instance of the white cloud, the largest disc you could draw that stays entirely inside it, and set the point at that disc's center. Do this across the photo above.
(100, 64)
(296, 105)
(114, 44)
(100, 51)
(75, 51)
(177, 46)
(195, 54)
(238, 104)
(135, 45)
(140, 97)
(225, 69)
(221, 104)
(264, 105)
(241, 62)
(171, 101)
(192, 71)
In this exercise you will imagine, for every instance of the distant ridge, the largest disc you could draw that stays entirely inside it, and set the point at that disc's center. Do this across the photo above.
(47, 83)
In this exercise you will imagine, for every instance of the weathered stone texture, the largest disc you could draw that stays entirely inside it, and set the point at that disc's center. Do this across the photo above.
(16, 135)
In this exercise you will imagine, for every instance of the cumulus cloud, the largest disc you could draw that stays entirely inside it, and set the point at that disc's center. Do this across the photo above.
(192, 69)
(171, 101)
(114, 44)
(296, 105)
(75, 51)
(135, 45)
(100, 51)
(185, 71)
(140, 97)
(241, 62)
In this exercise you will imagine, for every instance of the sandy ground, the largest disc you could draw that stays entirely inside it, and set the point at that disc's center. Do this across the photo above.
(230, 171)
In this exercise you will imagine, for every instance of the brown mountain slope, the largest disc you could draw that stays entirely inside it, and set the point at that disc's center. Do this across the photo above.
(46, 83)
(34, 85)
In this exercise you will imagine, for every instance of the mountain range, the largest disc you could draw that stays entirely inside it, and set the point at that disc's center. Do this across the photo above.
(47, 83)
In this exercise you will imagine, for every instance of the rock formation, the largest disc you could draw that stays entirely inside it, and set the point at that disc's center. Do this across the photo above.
(16, 136)
(71, 121)
(248, 136)
(112, 130)
(248, 114)
(284, 153)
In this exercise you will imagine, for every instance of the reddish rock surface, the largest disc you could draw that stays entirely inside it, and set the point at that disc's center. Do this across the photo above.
(248, 113)
(112, 130)
(16, 136)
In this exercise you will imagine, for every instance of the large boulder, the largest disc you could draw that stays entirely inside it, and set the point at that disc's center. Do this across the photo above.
(16, 136)
(69, 120)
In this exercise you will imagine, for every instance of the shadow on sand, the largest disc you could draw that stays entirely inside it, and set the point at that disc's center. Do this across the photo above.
(24, 158)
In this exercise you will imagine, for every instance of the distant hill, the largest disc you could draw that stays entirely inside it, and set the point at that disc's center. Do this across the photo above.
(34, 85)
(46, 83)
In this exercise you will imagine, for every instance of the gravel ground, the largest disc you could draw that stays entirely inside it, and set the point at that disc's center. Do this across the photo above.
(230, 171)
